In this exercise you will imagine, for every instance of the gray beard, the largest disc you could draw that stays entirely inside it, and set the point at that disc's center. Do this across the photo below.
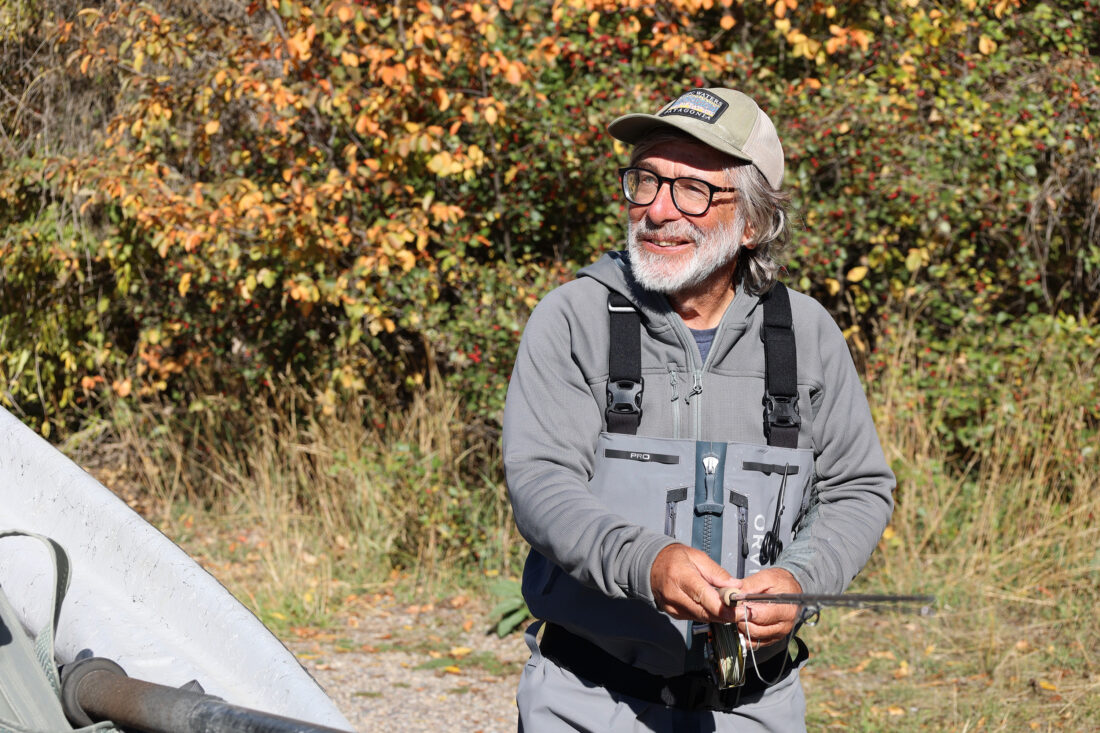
(669, 276)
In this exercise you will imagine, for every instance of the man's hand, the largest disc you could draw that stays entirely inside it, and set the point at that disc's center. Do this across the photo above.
(766, 623)
(685, 584)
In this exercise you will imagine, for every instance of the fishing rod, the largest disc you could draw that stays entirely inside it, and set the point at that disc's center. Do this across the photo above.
(726, 650)
(731, 597)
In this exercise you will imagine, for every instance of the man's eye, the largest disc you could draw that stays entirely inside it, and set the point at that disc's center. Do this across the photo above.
(693, 188)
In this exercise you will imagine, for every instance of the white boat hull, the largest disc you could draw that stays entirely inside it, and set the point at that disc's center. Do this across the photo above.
(135, 596)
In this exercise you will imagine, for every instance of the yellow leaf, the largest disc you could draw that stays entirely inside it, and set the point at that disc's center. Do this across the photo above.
(832, 285)
(442, 99)
(407, 259)
(513, 74)
(888, 533)
(594, 20)
(124, 387)
(986, 45)
(344, 13)
(490, 115)
(1044, 684)
(452, 670)
(185, 283)
(212, 127)
(857, 273)
(895, 710)
(460, 651)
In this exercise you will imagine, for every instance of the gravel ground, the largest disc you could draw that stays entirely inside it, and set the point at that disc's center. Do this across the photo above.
(392, 666)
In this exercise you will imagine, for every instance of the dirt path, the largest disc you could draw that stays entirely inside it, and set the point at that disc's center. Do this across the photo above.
(392, 666)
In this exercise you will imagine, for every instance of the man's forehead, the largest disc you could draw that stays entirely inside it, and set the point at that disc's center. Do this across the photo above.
(688, 153)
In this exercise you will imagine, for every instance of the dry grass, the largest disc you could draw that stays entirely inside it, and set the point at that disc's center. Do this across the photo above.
(293, 513)
(1008, 541)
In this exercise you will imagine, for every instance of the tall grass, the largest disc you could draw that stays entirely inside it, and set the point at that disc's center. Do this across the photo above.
(296, 503)
(1002, 528)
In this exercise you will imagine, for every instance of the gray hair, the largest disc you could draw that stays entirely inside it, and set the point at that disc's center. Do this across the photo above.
(763, 209)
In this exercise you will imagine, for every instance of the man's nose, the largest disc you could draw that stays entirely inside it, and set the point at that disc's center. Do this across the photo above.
(663, 209)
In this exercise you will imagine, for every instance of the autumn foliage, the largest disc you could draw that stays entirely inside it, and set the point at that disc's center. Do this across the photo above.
(199, 198)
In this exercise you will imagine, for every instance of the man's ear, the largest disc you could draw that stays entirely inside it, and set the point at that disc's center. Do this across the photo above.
(747, 240)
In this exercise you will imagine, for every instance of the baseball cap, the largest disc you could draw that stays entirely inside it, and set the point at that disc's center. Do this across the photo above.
(725, 119)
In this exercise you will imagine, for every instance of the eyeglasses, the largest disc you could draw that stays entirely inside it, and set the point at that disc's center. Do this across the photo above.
(691, 196)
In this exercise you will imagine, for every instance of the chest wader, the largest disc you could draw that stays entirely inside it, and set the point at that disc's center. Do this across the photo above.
(738, 502)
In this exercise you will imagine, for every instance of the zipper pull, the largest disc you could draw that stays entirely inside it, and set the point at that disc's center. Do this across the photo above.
(713, 504)
(696, 387)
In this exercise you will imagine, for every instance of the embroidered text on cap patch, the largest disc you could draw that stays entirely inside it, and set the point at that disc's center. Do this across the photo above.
(699, 104)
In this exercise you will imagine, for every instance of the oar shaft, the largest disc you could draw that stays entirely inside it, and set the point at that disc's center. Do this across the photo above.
(104, 694)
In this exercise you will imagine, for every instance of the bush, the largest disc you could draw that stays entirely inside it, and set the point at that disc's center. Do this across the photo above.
(197, 200)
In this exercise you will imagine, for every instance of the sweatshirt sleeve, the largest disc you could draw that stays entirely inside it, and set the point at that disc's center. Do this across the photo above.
(552, 423)
(852, 498)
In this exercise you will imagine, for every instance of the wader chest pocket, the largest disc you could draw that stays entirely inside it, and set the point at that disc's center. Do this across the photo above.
(775, 483)
(647, 482)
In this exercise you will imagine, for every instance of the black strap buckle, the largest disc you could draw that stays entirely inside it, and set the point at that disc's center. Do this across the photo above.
(781, 412)
(624, 397)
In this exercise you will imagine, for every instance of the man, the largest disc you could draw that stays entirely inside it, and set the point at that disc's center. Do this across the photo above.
(677, 423)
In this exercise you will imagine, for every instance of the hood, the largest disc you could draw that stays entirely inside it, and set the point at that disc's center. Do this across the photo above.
(613, 272)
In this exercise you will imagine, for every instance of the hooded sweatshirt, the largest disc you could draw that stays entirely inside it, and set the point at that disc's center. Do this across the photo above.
(554, 416)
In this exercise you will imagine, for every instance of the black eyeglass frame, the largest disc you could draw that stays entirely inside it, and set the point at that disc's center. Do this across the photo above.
(661, 180)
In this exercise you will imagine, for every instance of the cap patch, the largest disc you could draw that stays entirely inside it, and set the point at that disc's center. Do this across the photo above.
(698, 104)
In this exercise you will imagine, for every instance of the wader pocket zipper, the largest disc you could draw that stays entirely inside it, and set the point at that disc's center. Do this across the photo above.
(672, 498)
(742, 503)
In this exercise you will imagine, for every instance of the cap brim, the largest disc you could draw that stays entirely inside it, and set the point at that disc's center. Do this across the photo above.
(633, 128)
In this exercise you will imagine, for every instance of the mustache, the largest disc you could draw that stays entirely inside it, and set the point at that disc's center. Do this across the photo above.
(670, 230)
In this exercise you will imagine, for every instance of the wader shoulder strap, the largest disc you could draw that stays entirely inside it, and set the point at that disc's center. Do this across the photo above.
(624, 363)
(781, 419)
